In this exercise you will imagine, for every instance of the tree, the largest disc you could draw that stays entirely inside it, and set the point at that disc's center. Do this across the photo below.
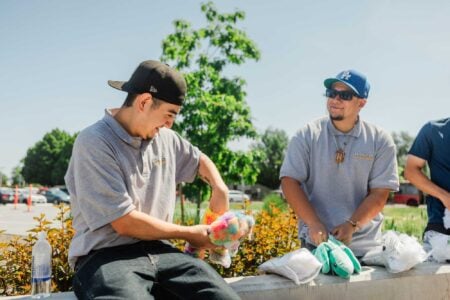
(215, 111)
(403, 142)
(3, 179)
(47, 161)
(272, 148)
(16, 176)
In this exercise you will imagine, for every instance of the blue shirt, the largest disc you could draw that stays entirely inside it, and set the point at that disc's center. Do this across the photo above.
(433, 145)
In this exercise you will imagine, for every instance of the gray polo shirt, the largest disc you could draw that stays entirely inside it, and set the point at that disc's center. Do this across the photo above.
(112, 173)
(337, 190)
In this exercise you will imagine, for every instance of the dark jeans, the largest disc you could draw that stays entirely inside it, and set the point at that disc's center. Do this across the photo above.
(439, 227)
(304, 244)
(147, 270)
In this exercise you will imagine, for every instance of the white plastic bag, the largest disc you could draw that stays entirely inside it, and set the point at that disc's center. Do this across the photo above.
(374, 257)
(447, 219)
(440, 246)
(301, 266)
(399, 252)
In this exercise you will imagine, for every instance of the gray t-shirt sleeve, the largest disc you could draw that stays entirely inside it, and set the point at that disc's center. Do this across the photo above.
(187, 160)
(296, 160)
(384, 172)
(100, 187)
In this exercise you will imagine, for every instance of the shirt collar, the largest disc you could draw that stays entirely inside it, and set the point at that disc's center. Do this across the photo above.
(355, 132)
(133, 141)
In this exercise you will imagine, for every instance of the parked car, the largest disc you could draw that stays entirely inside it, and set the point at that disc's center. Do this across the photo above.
(56, 196)
(35, 198)
(62, 188)
(408, 194)
(237, 196)
(6, 195)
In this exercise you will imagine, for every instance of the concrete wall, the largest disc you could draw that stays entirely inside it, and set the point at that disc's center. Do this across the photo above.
(425, 281)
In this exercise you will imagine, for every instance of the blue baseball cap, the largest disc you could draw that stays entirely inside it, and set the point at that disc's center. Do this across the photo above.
(353, 79)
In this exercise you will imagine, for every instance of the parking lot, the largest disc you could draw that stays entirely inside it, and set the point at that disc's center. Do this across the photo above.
(17, 221)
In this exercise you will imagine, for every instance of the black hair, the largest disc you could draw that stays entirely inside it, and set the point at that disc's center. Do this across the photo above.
(129, 100)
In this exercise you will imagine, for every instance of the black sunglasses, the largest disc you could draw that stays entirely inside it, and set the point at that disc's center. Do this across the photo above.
(343, 95)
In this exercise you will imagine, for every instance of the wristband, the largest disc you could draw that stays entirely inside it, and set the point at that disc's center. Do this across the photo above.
(355, 225)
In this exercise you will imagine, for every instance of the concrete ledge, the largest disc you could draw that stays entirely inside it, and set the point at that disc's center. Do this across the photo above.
(425, 281)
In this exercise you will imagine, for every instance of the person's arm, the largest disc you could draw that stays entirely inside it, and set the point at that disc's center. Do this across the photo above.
(367, 210)
(300, 204)
(413, 172)
(144, 227)
(219, 191)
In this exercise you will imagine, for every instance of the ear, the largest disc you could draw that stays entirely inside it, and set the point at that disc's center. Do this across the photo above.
(362, 102)
(141, 100)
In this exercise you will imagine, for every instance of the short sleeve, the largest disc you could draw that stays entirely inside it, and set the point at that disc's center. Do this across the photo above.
(422, 146)
(98, 182)
(187, 160)
(296, 160)
(384, 173)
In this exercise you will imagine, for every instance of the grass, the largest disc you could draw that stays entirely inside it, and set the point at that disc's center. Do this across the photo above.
(405, 219)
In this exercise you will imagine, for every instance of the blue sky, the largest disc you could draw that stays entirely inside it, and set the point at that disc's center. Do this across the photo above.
(56, 56)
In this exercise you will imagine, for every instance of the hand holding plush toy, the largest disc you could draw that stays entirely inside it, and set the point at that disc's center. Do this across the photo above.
(227, 231)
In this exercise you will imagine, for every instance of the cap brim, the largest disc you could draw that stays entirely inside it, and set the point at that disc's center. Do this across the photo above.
(119, 85)
(328, 83)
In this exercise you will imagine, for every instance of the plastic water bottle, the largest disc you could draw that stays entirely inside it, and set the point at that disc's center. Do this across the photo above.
(41, 267)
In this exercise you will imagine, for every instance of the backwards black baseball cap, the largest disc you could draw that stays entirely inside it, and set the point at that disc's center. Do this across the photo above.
(156, 78)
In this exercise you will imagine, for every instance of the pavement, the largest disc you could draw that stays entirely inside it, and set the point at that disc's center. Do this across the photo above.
(17, 220)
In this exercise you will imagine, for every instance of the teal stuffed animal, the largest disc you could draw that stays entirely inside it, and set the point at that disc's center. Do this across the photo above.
(337, 258)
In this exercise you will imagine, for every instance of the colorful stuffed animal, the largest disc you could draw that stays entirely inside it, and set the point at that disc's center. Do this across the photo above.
(208, 217)
(337, 258)
(227, 231)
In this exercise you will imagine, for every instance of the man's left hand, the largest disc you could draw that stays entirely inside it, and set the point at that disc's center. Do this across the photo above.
(344, 232)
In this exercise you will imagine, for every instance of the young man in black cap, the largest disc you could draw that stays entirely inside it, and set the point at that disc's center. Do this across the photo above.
(338, 170)
(122, 179)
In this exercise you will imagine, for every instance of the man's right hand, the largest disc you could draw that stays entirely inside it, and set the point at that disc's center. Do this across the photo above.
(317, 233)
(198, 237)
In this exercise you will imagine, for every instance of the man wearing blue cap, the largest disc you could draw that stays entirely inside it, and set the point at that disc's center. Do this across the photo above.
(338, 170)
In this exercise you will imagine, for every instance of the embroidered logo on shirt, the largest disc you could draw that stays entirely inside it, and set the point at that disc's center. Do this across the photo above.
(153, 89)
(159, 161)
(363, 156)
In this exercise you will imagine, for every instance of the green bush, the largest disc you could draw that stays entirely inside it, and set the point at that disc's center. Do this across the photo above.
(274, 201)
(274, 234)
(15, 256)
